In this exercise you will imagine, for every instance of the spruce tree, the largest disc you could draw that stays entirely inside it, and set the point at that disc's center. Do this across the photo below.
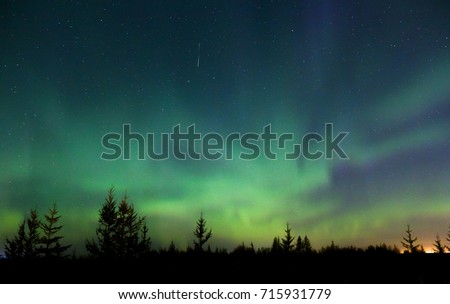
(287, 242)
(145, 242)
(33, 239)
(50, 245)
(128, 229)
(201, 233)
(438, 247)
(105, 231)
(303, 246)
(172, 248)
(409, 242)
(307, 245)
(24, 245)
(299, 245)
(15, 248)
(276, 245)
(122, 233)
(448, 237)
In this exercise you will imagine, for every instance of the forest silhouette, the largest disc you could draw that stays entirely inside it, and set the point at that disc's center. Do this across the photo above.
(122, 252)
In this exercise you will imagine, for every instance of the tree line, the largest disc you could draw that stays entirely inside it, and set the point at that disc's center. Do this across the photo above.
(36, 238)
(123, 234)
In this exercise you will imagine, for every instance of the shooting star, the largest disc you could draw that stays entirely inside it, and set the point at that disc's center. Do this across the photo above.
(198, 56)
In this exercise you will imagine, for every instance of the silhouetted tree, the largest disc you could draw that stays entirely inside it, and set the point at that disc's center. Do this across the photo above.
(448, 237)
(131, 232)
(332, 248)
(31, 250)
(382, 249)
(287, 243)
(242, 250)
(172, 248)
(15, 248)
(221, 252)
(106, 230)
(438, 247)
(276, 245)
(51, 248)
(299, 245)
(303, 246)
(201, 233)
(145, 242)
(121, 232)
(263, 251)
(307, 245)
(409, 242)
(25, 243)
(394, 248)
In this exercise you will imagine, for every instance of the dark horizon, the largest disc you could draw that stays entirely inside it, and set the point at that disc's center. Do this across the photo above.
(122, 250)
(286, 243)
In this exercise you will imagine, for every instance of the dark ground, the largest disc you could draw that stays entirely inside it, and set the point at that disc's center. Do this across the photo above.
(398, 268)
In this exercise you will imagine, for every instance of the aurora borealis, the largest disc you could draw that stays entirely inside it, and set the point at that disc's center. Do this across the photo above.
(70, 72)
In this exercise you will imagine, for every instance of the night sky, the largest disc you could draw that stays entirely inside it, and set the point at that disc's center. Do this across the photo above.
(71, 71)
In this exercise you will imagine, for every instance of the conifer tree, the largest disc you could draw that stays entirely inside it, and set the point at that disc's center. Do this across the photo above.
(438, 247)
(276, 245)
(128, 228)
(332, 248)
(448, 237)
(299, 245)
(15, 248)
(409, 242)
(33, 239)
(50, 245)
(303, 246)
(24, 245)
(144, 243)
(105, 231)
(172, 249)
(307, 245)
(201, 233)
(242, 250)
(121, 234)
(287, 242)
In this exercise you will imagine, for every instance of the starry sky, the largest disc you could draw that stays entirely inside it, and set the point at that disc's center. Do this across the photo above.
(72, 71)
